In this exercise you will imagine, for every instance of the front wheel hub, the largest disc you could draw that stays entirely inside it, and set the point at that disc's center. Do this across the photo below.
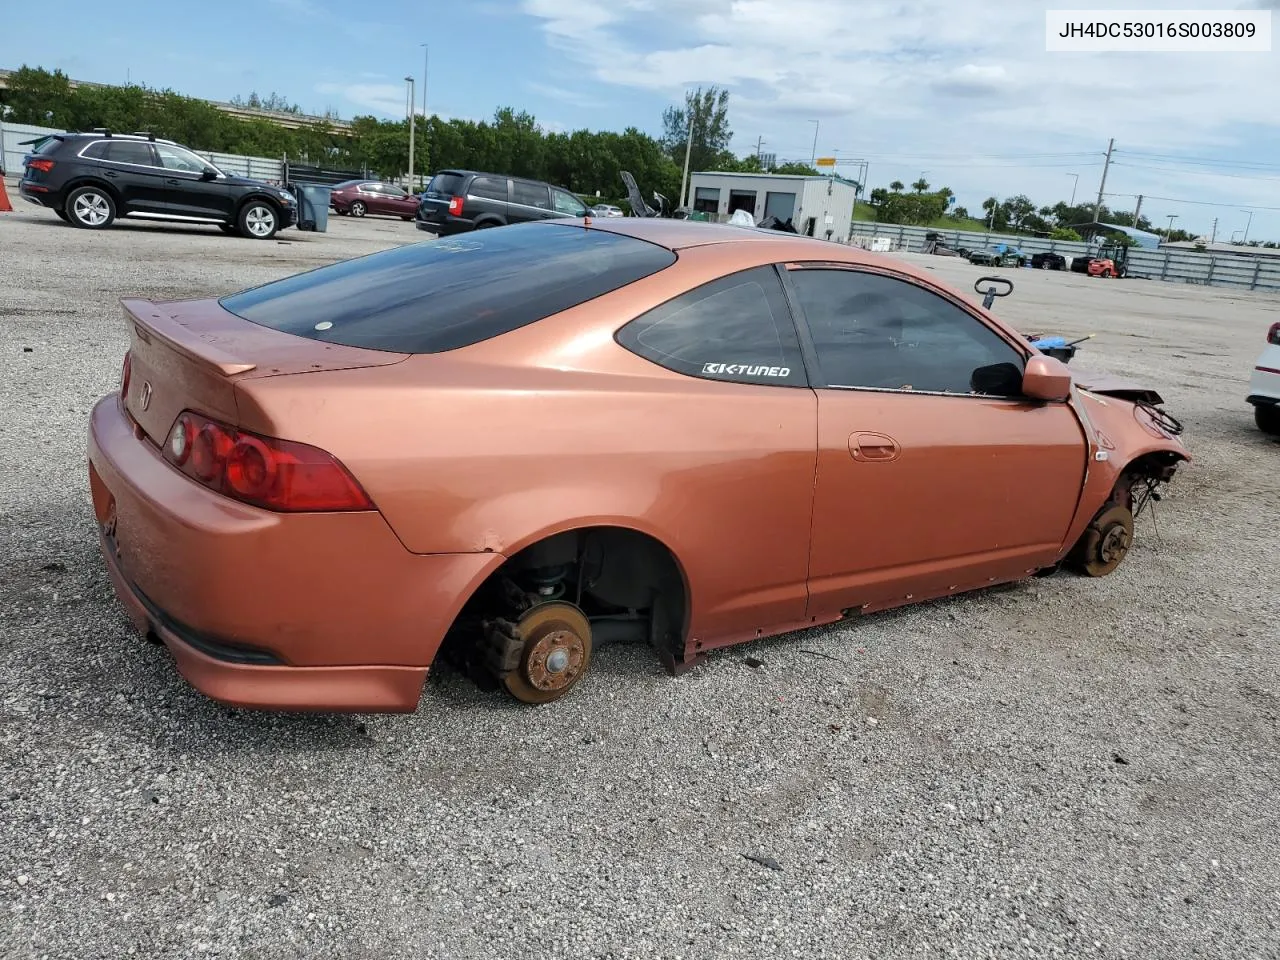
(1106, 541)
(555, 655)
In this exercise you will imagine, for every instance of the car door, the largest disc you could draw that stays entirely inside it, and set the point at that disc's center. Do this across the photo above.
(934, 473)
(530, 200)
(380, 198)
(193, 187)
(398, 201)
(740, 418)
(488, 196)
(566, 204)
(130, 166)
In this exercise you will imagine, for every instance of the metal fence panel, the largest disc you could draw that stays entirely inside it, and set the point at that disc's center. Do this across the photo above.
(256, 168)
(1176, 265)
(11, 135)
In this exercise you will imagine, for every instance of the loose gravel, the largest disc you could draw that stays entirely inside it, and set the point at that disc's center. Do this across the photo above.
(1064, 768)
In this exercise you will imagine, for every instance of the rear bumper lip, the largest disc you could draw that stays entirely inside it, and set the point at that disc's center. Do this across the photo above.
(345, 689)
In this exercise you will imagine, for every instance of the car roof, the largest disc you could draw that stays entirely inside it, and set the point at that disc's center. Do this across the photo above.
(684, 234)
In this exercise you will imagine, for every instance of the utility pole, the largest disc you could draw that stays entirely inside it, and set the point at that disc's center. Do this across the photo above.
(1097, 207)
(1075, 182)
(1214, 233)
(1137, 210)
(426, 129)
(759, 144)
(688, 148)
(813, 157)
(1168, 233)
(409, 80)
(1248, 224)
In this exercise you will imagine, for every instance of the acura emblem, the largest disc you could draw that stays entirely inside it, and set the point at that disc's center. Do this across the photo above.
(146, 394)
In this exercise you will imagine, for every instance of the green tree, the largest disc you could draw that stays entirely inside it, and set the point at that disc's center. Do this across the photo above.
(709, 112)
(920, 186)
(896, 186)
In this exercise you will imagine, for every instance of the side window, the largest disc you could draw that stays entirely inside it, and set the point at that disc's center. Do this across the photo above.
(490, 188)
(96, 151)
(568, 203)
(530, 194)
(737, 328)
(875, 331)
(173, 158)
(130, 151)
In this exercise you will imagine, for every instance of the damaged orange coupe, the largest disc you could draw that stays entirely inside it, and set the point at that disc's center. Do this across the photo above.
(513, 446)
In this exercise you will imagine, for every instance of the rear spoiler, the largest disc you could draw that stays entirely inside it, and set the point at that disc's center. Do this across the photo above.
(150, 321)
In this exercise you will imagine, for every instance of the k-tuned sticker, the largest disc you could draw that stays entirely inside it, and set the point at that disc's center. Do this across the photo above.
(745, 370)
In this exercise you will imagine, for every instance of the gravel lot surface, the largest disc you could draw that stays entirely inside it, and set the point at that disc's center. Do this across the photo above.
(1070, 767)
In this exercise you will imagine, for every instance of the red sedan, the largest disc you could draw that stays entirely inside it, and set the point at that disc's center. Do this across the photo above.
(359, 197)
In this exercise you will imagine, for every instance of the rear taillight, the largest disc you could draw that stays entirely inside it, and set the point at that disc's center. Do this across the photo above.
(40, 163)
(1273, 335)
(279, 475)
(455, 206)
(125, 370)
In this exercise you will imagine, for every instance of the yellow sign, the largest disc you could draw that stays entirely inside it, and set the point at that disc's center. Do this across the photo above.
(825, 162)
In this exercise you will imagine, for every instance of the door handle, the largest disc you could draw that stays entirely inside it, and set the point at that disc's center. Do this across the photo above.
(873, 447)
(112, 174)
(173, 181)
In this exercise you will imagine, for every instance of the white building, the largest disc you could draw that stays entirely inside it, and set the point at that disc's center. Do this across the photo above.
(818, 206)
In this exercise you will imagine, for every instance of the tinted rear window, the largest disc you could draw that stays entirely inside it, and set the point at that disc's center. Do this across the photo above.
(49, 145)
(450, 183)
(443, 294)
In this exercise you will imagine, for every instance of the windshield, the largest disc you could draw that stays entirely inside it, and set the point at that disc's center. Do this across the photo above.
(443, 294)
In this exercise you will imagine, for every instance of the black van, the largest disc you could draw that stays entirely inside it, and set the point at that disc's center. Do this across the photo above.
(459, 200)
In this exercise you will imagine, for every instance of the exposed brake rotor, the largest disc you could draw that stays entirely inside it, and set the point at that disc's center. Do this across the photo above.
(1106, 541)
(555, 655)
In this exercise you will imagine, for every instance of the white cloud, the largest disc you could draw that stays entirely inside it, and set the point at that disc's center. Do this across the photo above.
(938, 84)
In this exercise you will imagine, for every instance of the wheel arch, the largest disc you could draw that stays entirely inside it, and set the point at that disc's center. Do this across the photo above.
(628, 534)
(92, 180)
(266, 197)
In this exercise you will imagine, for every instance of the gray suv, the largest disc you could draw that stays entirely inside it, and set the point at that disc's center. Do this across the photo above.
(456, 201)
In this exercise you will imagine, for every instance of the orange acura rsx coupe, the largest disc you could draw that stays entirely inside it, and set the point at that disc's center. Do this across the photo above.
(516, 445)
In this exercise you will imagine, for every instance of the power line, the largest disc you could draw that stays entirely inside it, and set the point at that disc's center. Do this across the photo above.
(1190, 173)
(1198, 203)
(1202, 161)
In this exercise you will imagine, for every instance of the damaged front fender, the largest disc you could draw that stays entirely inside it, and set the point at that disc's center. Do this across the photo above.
(1131, 439)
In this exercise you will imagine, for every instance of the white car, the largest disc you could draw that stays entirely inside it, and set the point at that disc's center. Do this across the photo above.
(1264, 384)
(606, 210)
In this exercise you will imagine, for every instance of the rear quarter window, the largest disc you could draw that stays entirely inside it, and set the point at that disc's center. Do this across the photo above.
(444, 294)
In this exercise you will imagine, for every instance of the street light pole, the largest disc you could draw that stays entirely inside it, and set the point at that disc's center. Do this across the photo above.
(1248, 223)
(1074, 183)
(409, 81)
(1169, 229)
(814, 156)
(426, 130)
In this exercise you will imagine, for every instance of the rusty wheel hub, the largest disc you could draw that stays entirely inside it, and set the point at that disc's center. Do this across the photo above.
(1107, 541)
(557, 652)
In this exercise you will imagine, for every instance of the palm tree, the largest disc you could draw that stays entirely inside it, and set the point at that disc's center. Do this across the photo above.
(920, 186)
(896, 186)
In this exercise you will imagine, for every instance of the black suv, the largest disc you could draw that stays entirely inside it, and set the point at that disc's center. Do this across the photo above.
(460, 200)
(89, 179)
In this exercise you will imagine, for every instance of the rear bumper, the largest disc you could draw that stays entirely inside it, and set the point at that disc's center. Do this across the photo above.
(274, 611)
(39, 194)
(443, 226)
(1264, 381)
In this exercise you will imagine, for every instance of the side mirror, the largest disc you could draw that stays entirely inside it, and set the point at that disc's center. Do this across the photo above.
(1046, 379)
(207, 174)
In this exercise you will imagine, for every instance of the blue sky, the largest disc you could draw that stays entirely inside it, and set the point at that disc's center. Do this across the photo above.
(959, 90)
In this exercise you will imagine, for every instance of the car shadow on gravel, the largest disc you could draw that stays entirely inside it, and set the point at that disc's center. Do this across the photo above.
(287, 235)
